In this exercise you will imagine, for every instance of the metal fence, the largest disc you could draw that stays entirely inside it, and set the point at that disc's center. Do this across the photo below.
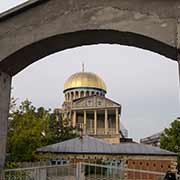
(59, 172)
(90, 171)
(80, 171)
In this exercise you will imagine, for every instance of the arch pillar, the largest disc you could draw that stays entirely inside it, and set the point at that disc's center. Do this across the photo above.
(178, 47)
(178, 58)
(178, 34)
(5, 90)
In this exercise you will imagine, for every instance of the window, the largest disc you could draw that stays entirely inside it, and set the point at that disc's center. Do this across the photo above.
(99, 103)
(52, 162)
(89, 103)
(58, 162)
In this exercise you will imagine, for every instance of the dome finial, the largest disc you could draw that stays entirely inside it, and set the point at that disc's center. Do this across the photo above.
(82, 66)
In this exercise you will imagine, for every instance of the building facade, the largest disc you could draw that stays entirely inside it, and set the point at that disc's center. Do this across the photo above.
(87, 107)
(132, 156)
(153, 140)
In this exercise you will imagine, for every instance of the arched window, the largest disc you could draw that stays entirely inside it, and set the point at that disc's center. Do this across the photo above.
(77, 95)
(82, 93)
(72, 95)
(87, 93)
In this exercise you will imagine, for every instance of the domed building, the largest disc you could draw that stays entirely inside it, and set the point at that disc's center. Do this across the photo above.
(87, 106)
(83, 84)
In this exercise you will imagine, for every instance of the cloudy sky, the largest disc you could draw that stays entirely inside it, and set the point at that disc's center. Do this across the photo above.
(145, 83)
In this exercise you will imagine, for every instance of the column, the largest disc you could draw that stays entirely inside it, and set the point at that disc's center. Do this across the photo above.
(74, 119)
(106, 121)
(95, 122)
(5, 90)
(66, 96)
(79, 94)
(85, 122)
(117, 121)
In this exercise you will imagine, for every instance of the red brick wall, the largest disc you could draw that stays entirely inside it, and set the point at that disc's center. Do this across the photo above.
(149, 165)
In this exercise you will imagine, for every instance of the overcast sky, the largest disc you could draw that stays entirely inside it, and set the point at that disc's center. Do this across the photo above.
(145, 83)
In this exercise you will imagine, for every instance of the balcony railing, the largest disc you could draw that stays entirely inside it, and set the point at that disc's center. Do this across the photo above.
(101, 131)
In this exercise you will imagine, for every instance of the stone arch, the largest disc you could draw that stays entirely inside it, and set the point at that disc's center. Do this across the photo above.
(37, 50)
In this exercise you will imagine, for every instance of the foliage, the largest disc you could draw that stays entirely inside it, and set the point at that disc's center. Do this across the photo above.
(11, 165)
(31, 128)
(170, 139)
(60, 129)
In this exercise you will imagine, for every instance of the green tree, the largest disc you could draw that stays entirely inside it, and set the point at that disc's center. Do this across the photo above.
(30, 128)
(60, 129)
(170, 139)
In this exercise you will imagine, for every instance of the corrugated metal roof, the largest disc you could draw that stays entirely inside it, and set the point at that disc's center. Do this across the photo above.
(91, 145)
(136, 148)
(85, 145)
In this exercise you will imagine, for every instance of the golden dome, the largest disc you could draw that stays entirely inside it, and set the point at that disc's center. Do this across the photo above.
(84, 80)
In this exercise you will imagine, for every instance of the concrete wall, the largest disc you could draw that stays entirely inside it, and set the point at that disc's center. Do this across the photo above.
(28, 34)
(5, 87)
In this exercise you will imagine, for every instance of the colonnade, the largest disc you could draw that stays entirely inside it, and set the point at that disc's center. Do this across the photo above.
(95, 112)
